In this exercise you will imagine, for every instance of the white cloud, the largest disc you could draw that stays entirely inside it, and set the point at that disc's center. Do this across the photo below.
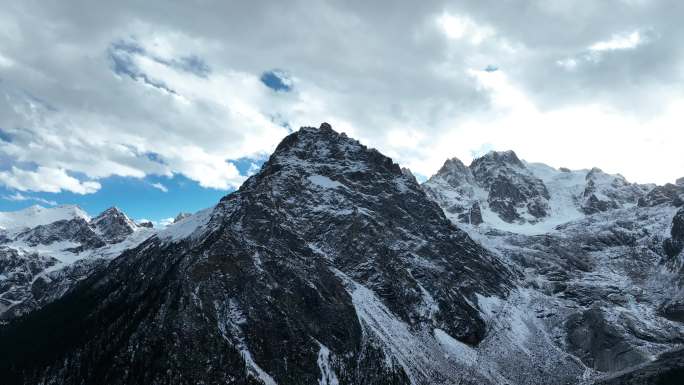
(46, 179)
(618, 42)
(18, 197)
(253, 169)
(198, 128)
(596, 52)
(578, 136)
(461, 27)
(160, 187)
(5, 61)
(163, 222)
(569, 63)
(160, 224)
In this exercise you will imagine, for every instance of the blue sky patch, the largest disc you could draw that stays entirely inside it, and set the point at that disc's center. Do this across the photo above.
(139, 198)
(154, 157)
(153, 197)
(482, 150)
(248, 166)
(277, 80)
(5, 136)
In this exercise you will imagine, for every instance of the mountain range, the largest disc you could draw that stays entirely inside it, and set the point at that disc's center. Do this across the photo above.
(333, 265)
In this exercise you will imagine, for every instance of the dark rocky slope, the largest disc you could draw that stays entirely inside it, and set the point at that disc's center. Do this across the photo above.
(328, 266)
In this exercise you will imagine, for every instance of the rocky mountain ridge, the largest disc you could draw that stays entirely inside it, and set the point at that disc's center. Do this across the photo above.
(506, 193)
(45, 251)
(332, 265)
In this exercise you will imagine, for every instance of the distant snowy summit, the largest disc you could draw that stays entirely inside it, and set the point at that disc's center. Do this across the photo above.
(37, 215)
(504, 192)
(45, 251)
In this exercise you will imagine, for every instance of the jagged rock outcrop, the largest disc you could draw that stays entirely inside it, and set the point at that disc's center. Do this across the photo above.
(409, 174)
(666, 369)
(147, 224)
(76, 230)
(605, 192)
(667, 194)
(17, 270)
(498, 180)
(474, 215)
(600, 344)
(514, 193)
(675, 244)
(455, 184)
(113, 225)
(180, 217)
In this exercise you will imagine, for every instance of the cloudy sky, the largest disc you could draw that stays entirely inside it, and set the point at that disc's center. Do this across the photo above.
(161, 106)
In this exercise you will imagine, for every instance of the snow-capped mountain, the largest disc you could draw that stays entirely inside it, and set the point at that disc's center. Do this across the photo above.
(601, 261)
(506, 193)
(37, 215)
(45, 251)
(332, 265)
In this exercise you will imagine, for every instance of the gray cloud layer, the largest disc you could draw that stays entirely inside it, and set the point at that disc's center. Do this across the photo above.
(93, 89)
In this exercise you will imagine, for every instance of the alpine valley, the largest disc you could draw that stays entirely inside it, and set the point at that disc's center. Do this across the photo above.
(332, 265)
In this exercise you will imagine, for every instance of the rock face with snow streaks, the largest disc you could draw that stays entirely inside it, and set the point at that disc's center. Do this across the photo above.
(514, 193)
(602, 271)
(113, 225)
(498, 181)
(605, 192)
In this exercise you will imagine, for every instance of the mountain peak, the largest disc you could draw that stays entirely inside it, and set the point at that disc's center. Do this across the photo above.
(451, 165)
(306, 134)
(181, 216)
(114, 225)
(454, 173)
(312, 148)
(409, 174)
(112, 211)
(38, 215)
(502, 157)
(594, 173)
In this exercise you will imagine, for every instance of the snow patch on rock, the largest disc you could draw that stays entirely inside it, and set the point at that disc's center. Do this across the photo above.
(324, 181)
(187, 226)
(455, 348)
(328, 376)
